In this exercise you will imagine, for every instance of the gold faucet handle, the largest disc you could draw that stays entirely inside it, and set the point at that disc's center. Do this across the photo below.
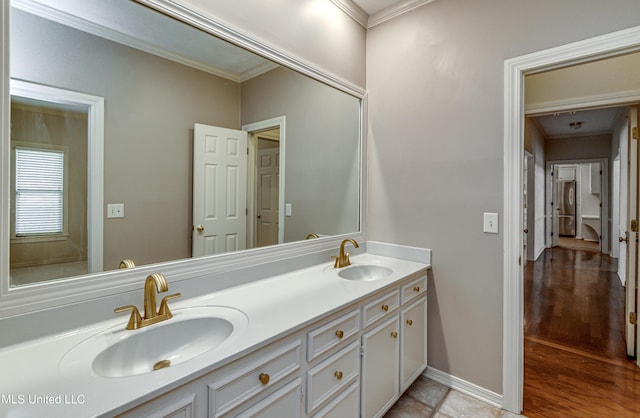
(134, 320)
(164, 307)
(337, 263)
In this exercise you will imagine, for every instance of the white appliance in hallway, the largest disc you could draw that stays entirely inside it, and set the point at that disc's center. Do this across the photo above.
(566, 208)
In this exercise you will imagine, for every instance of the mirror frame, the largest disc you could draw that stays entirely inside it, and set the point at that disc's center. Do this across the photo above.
(55, 293)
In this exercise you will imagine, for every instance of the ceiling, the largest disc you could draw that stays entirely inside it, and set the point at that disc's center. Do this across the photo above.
(579, 123)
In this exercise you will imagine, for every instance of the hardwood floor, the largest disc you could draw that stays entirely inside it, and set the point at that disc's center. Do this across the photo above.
(575, 355)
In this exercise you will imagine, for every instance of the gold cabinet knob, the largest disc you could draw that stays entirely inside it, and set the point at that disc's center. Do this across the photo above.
(339, 333)
(126, 264)
(385, 307)
(264, 378)
(409, 322)
(338, 375)
(394, 334)
(200, 228)
(417, 288)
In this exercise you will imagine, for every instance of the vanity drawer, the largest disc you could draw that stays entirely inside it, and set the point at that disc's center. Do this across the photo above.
(249, 377)
(327, 336)
(332, 375)
(414, 289)
(380, 307)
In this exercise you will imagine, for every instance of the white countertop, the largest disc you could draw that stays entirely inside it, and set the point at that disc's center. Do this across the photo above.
(33, 385)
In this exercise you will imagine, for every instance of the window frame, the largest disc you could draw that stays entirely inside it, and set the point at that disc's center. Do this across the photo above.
(44, 237)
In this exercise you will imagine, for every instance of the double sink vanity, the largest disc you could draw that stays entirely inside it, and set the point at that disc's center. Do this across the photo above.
(341, 339)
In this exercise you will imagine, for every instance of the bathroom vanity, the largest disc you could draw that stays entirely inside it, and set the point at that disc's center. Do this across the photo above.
(317, 341)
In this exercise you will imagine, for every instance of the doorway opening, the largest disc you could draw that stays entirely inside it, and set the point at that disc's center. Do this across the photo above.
(265, 182)
(64, 129)
(574, 303)
(598, 48)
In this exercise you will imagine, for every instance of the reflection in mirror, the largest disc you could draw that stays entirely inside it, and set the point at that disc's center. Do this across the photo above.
(159, 79)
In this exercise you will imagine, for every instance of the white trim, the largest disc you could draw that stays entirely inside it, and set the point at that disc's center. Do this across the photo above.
(583, 103)
(465, 387)
(5, 148)
(66, 19)
(394, 11)
(368, 21)
(204, 20)
(58, 293)
(353, 11)
(251, 128)
(599, 47)
(95, 172)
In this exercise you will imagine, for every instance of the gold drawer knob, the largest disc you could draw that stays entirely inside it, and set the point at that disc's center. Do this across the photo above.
(339, 333)
(264, 378)
(394, 334)
(385, 308)
(409, 322)
(417, 288)
(338, 375)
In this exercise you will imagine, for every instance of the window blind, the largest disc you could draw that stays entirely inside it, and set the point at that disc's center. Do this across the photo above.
(39, 199)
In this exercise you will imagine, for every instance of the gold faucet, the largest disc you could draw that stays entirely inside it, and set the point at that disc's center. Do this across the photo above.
(312, 236)
(152, 315)
(342, 260)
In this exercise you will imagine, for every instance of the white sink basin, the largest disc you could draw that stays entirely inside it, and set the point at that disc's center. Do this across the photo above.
(117, 352)
(365, 272)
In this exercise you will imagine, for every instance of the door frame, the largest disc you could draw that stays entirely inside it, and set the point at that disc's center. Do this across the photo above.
(95, 157)
(252, 129)
(515, 69)
(604, 199)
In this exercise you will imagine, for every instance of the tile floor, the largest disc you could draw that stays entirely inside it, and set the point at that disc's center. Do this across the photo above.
(426, 398)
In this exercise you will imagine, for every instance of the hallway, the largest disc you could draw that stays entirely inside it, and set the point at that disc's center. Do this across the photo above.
(574, 348)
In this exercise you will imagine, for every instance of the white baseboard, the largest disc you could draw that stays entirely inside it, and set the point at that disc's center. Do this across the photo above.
(465, 387)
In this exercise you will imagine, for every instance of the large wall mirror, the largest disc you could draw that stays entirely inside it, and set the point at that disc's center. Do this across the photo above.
(137, 137)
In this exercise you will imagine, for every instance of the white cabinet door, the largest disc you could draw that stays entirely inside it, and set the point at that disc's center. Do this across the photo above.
(380, 368)
(345, 405)
(413, 343)
(284, 402)
(180, 403)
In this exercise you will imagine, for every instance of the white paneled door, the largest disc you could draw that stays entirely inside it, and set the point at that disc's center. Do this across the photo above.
(219, 190)
(267, 197)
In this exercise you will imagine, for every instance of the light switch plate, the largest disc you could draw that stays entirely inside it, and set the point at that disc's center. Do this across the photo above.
(115, 210)
(287, 209)
(491, 223)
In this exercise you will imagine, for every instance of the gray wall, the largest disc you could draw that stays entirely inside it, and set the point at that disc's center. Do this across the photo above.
(578, 148)
(435, 83)
(322, 149)
(151, 105)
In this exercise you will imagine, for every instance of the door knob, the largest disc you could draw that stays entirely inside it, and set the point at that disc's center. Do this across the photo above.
(200, 228)
(526, 230)
(623, 239)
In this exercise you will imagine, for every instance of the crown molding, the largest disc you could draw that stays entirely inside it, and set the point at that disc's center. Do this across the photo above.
(66, 19)
(395, 11)
(369, 21)
(353, 11)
